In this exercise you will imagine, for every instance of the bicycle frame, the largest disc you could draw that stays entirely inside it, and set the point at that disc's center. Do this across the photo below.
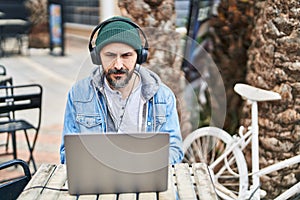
(241, 142)
(257, 172)
(254, 149)
(253, 135)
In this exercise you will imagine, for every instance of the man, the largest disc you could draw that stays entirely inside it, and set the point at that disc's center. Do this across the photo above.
(120, 95)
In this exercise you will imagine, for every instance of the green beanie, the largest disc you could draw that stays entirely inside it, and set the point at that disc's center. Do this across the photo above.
(119, 31)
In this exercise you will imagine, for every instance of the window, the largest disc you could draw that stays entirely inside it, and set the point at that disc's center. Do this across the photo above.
(82, 11)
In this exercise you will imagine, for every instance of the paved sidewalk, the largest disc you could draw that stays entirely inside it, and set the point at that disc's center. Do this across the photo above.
(56, 74)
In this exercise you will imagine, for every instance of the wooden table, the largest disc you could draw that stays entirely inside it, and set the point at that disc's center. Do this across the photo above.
(185, 182)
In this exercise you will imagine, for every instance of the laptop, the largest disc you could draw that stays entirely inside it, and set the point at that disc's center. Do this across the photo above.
(105, 163)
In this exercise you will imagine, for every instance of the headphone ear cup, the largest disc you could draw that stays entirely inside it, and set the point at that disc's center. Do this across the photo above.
(95, 57)
(142, 56)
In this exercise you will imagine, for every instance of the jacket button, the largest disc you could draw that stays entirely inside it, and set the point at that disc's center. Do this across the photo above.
(148, 123)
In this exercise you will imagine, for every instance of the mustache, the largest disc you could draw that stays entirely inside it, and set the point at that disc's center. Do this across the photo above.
(117, 71)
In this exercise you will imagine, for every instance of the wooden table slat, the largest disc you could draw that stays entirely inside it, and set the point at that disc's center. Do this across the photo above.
(170, 194)
(35, 186)
(184, 182)
(127, 196)
(87, 197)
(108, 197)
(64, 195)
(204, 185)
(148, 196)
(55, 183)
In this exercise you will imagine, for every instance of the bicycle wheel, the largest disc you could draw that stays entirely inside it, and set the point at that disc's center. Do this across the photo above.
(229, 173)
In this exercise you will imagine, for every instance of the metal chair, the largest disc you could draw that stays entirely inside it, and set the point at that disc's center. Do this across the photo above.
(2, 70)
(24, 102)
(12, 188)
(5, 80)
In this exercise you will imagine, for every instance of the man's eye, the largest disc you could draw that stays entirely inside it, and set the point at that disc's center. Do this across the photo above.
(110, 55)
(127, 55)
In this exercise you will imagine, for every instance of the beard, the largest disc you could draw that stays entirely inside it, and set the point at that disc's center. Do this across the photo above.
(118, 82)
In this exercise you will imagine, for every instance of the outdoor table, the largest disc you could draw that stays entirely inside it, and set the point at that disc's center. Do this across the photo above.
(6, 23)
(185, 182)
(12, 22)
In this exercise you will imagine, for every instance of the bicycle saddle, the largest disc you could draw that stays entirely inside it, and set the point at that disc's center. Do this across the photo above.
(255, 94)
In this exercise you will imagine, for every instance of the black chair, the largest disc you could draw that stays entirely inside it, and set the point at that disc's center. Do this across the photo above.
(25, 102)
(5, 81)
(4, 78)
(12, 188)
(2, 70)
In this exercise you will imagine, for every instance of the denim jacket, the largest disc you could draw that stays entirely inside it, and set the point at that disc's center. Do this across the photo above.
(86, 110)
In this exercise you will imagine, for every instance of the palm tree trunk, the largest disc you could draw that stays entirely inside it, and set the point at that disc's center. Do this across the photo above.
(274, 64)
(230, 32)
(157, 19)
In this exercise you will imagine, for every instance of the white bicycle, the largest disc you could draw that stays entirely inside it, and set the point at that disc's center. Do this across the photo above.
(223, 153)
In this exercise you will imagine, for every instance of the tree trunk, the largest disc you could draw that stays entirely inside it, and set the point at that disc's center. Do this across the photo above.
(230, 32)
(39, 33)
(157, 19)
(274, 64)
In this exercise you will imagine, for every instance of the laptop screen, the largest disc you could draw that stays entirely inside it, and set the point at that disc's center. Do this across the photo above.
(117, 163)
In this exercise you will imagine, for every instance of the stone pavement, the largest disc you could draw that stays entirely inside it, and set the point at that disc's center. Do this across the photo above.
(56, 74)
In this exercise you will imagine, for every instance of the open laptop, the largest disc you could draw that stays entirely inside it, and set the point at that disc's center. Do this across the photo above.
(117, 163)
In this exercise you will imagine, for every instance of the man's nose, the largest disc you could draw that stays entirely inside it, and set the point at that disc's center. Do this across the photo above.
(119, 63)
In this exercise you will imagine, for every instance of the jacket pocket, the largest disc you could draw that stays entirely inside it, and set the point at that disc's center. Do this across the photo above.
(88, 121)
(160, 116)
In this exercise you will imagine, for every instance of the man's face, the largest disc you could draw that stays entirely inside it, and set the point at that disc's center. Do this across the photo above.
(118, 62)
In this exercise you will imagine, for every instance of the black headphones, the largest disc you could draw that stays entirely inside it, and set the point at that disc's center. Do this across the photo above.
(141, 55)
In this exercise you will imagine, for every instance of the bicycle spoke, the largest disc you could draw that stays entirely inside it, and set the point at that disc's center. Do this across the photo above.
(207, 145)
(224, 191)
